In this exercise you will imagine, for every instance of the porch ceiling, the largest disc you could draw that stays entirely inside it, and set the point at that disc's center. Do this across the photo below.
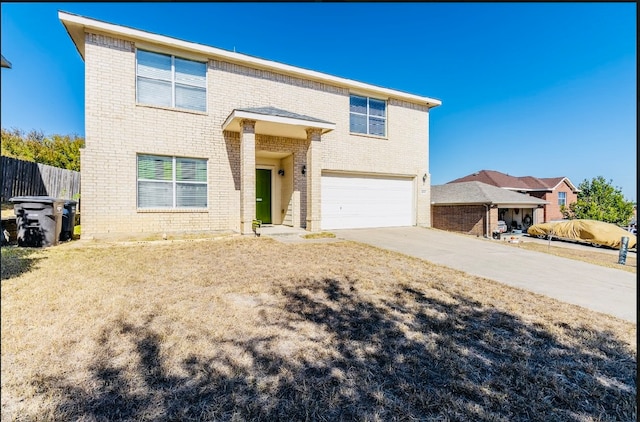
(271, 154)
(276, 122)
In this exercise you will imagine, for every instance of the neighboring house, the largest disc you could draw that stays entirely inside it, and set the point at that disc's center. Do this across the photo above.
(557, 191)
(476, 207)
(5, 63)
(185, 137)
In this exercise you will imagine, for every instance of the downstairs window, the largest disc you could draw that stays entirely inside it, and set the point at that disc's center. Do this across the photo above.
(171, 182)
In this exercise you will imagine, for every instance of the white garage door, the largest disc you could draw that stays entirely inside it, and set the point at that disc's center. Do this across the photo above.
(350, 202)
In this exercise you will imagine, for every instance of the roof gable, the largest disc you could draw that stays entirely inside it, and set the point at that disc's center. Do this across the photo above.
(554, 182)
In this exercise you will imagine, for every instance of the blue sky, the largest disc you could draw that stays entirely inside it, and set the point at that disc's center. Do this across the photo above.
(528, 89)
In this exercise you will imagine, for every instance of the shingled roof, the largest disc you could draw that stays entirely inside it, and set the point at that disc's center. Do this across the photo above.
(272, 111)
(5, 63)
(479, 193)
(524, 183)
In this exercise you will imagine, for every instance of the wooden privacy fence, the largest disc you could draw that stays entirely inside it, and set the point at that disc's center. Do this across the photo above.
(24, 178)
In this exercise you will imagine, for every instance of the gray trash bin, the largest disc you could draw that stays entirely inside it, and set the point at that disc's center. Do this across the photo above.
(68, 219)
(38, 220)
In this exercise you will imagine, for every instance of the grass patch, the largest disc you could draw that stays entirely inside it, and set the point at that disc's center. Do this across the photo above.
(249, 328)
(319, 235)
(178, 236)
(6, 209)
(591, 256)
(77, 231)
(17, 260)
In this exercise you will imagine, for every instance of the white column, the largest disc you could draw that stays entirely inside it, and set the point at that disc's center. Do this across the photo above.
(314, 174)
(247, 175)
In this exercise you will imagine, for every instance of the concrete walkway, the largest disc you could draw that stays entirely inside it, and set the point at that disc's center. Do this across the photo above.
(601, 289)
(285, 234)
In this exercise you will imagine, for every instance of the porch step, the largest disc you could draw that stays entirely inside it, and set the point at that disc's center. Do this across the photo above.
(279, 231)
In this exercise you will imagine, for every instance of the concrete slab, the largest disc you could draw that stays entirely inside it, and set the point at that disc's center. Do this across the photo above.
(286, 234)
(601, 289)
(279, 230)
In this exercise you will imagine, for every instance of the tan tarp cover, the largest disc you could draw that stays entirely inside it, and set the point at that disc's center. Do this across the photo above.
(586, 230)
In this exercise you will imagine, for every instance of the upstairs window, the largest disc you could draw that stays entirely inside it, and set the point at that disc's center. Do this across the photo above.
(562, 198)
(367, 115)
(170, 81)
(171, 182)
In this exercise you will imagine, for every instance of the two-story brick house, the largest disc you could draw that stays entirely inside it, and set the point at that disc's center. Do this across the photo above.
(186, 137)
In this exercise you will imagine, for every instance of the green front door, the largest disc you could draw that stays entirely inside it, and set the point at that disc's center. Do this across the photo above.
(263, 195)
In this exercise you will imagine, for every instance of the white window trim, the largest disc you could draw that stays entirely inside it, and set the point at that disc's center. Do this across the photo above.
(174, 183)
(368, 115)
(564, 198)
(173, 81)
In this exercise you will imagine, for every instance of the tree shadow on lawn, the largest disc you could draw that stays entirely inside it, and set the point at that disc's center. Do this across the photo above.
(17, 260)
(411, 357)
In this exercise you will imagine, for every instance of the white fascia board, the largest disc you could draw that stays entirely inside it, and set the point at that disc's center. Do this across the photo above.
(499, 204)
(70, 20)
(526, 190)
(571, 185)
(239, 114)
(521, 204)
(461, 203)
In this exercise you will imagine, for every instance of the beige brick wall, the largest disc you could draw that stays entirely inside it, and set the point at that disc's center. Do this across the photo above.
(117, 130)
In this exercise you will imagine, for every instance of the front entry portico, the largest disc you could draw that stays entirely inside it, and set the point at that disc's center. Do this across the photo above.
(268, 132)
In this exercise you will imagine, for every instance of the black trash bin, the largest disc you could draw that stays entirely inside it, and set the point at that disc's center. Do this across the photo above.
(38, 220)
(68, 219)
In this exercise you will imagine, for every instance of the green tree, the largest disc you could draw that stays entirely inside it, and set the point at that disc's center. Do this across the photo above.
(600, 200)
(57, 150)
(14, 145)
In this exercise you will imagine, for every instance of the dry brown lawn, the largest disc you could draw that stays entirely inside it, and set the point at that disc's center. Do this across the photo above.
(6, 209)
(592, 256)
(319, 235)
(253, 329)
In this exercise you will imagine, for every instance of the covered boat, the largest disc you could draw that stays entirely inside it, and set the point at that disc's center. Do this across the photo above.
(591, 231)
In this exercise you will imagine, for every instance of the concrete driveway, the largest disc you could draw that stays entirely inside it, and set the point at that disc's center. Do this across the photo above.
(598, 288)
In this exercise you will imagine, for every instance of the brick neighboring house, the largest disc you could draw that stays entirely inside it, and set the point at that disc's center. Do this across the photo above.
(557, 191)
(185, 137)
(475, 208)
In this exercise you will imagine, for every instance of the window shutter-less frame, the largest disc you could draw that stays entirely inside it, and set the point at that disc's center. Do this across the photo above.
(562, 198)
(170, 81)
(367, 115)
(191, 84)
(171, 182)
(191, 183)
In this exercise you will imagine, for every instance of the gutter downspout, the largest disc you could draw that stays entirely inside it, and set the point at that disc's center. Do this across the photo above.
(486, 233)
